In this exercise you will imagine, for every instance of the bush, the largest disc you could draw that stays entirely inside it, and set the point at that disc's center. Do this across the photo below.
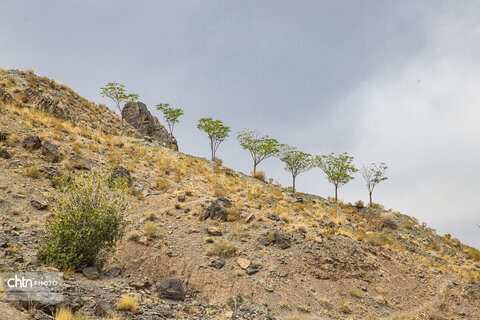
(222, 248)
(359, 204)
(89, 216)
(260, 175)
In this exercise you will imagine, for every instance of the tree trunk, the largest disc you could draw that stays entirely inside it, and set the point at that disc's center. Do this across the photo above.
(293, 184)
(254, 167)
(370, 194)
(121, 130)
(213, 151)
(336, 188)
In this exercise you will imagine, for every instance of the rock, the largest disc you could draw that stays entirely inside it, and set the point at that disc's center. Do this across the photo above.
(181, 198)
(32, 143)
(51, 153)
(218, 209)
(171, 288)
(273, 216)
(73, 302)
(298, 200)
(263, 241)
(192, 230)
(243, 263)
(5, 154)
(91, 272)
(120, 172)
(5, 97)
(140, 283)
(3, 243)
(218, 263)
(38, 204)
(102, 309)
(251, 271)
(282, 239)
(138, 116)
(113, 272)
(80, 163)
(214, 231)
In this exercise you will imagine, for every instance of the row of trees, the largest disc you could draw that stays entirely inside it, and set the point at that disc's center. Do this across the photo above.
(338, 169)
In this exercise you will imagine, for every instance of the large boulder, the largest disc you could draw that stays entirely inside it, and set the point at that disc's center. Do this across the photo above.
(32, 143)
(138, 116)
(50, 152)
(218, 210)
(172, 288)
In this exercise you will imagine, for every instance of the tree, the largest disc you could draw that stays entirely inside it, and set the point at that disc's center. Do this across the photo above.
(260, 147)
(170, 115)
(373, 175)
(116, 92)
(217, 132)
(337, 168)
(296, 161)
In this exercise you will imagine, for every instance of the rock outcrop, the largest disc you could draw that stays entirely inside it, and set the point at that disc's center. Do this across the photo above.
(138, 116)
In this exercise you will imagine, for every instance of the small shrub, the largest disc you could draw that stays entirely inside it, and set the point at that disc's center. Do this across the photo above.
(359, 204)
(376, 206)
(435, 246)
(473, 254)
(222, 248)
(260, 175)
(162, 184)
(408, 224)
(218, 162)
(77, 147)
(151, 229)
(344, 306)
(89, 217)
(355, 293)
(30, 171)
(219, 190)
(127, 303)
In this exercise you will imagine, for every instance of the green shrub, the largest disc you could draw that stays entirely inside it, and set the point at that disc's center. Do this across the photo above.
(89, 216)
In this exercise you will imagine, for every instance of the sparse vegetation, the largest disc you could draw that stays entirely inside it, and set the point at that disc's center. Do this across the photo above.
(117, 93)
(260, 147)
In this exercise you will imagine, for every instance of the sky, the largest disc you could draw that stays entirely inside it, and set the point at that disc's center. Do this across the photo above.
(386, 81)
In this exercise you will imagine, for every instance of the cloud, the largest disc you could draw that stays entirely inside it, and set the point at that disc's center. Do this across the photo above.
(420, 116)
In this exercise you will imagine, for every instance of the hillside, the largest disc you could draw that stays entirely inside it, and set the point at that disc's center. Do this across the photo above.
(285, 256)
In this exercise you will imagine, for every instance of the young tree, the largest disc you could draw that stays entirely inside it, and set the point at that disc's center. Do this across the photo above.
(337, 168)
(217, 132)
(170, 115)
(260, 147)
(116, 92)
(296, 161)
(373, 175)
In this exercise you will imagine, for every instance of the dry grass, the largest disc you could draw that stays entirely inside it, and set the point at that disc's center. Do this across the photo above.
(151, 229)
(222, 248)
(127, 303)
(30, 171)
(162, 184)
(260, 175)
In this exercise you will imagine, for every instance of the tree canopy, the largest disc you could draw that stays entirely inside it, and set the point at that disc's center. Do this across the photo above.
(296, 161)
(170, 115)
(373, 174)
(338, 168)
(217, 132)
(260, 147)
(117, 93)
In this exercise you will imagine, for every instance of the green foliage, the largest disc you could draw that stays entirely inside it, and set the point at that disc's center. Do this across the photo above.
(260, 147)
(217, 132)
(373, 175)
(116, 92)
(296, 161)
(89, 216)
(337, 168)
(170, 115)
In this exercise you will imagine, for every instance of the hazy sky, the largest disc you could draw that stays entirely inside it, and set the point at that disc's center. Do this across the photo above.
(391, 81)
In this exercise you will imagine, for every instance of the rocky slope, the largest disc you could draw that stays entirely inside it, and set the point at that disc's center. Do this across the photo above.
(241, 248)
